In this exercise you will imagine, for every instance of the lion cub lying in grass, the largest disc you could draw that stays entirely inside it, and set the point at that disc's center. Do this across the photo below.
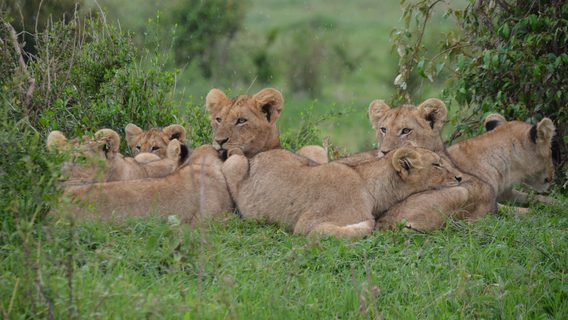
(195, 191)
(98, 159)
(334, 198)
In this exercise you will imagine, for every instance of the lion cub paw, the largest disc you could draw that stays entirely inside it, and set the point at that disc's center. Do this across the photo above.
(235, 152)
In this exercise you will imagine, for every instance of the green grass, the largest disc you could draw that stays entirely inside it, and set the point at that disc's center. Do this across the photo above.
(503, 266)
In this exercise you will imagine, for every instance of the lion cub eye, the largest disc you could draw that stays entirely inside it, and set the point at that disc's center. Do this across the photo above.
(155, 148)
(241, 120)
(437, 165)
(406, 130)
(218, 120)
(383, 130)
(138, 147)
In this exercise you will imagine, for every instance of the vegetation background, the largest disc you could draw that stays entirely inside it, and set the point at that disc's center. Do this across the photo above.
(79, 67)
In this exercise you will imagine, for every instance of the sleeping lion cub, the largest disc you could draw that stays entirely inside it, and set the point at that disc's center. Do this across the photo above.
(98, 159)
(334, 198)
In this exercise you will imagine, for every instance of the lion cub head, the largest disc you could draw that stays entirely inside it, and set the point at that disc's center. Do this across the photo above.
(423, 168)
(88, 156)
(420, 126)
(154, 140)
(245, 122)
(535, 149)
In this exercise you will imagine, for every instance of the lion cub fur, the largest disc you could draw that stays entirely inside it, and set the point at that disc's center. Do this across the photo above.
(337, 199)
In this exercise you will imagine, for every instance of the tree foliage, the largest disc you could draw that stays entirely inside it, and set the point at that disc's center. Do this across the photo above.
(204, 29)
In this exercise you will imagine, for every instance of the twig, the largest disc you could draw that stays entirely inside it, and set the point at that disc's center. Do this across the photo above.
(37, 16)
(31, 81)
(70, 267)
(423, 30)
(405, 72)
(504, 5)
(483, 15)
(251, 84)
(13, 298)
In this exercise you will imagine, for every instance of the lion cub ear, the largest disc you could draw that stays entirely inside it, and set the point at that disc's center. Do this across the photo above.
(132, 133)
(493, 121)
(175, 131)
(542, 134)
(56, 140)
(215, 101)
(270, 102)
(177, 151)
(110, 140)
(405, 159)
(376, 109)
(434, 111)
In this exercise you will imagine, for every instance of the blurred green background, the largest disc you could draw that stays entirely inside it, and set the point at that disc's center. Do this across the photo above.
(329, 58)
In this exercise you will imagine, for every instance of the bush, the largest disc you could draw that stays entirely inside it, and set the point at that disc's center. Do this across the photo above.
(29, 177)
(508, 56)
(103, 84)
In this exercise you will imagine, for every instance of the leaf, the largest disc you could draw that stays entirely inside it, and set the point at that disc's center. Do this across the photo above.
(487, 58)
(420, 68)
(439, 68)
(505, 31)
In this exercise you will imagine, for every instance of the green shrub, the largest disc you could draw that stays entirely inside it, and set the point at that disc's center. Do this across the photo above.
(99, 83)
(29, 176)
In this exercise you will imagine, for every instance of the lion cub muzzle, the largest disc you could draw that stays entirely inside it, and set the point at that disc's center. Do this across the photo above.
(218, 145)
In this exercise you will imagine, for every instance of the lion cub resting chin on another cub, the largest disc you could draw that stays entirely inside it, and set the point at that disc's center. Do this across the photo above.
(99, 160)
(337, 199)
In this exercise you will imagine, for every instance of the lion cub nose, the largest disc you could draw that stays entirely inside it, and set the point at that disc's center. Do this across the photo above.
(382, 153)
(220, 142)
(458, 178)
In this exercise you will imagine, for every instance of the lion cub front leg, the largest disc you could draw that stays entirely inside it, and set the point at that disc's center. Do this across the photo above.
(355, 230)
(523, 199)
(235, 168)
(315, 153)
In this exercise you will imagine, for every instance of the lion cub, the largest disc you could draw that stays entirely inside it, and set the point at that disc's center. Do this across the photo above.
(154, 140)
(194, 192)
(512, 153)
(98, 159)
(334, 198)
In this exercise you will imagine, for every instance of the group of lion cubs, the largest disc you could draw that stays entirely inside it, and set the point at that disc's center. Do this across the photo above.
(411, 179)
